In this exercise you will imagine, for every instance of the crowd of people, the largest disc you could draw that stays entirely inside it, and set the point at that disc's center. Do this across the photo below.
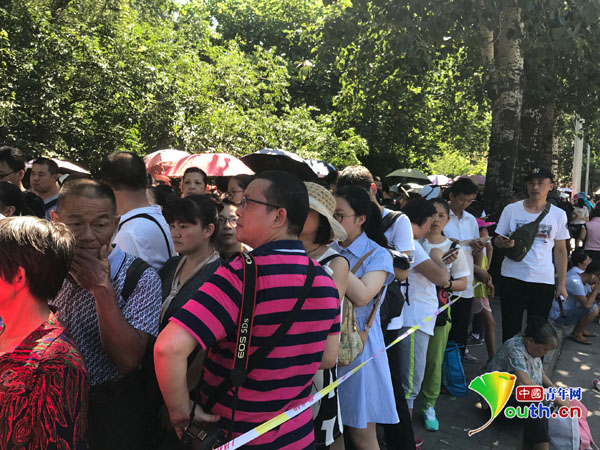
(134, 315)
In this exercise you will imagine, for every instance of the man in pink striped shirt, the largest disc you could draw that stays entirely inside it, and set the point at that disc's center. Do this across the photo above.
(271, 216)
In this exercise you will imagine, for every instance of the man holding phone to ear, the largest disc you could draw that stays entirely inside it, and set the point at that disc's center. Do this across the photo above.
(529, 283)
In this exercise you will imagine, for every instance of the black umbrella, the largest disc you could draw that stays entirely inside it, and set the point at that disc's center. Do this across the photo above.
(273, 159)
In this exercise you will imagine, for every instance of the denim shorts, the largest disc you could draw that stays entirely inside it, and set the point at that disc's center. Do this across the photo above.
(574, 315)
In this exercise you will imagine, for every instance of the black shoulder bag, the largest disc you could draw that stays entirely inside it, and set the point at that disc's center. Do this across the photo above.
(199, 436)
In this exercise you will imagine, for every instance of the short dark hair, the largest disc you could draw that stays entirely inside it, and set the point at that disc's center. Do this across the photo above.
(443, 203)
(163, 194)
(227, 202)
(355, 175)
(541, 331)
(50, 164)
(87, 188)
(418, 210)
(42, 248)
(289, 192)
(578, 256)
(192, 209)
(196, 170)
(124, 171)
(596, 211)
(463, 186)
(10, 195)
(13, 157)
(243, 180)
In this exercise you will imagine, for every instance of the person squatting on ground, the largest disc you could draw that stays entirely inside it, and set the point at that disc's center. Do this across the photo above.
(271, 215)
(580, 308)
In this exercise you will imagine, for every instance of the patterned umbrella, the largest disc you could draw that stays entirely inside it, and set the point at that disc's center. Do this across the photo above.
(158, 162)
(214, 164)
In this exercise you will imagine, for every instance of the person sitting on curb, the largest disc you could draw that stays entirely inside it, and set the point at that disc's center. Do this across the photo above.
(580, 307)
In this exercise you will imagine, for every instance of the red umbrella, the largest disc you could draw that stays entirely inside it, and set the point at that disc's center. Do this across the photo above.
(214, 164)
(160, 161)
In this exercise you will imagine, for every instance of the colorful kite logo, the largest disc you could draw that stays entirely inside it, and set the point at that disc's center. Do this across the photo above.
(495, 388)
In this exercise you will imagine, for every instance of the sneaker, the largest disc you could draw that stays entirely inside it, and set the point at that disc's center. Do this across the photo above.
(473, 341)
(468, 357)
(431, 422)
(418, 441)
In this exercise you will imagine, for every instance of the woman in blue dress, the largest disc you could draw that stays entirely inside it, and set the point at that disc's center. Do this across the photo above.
(366, 398)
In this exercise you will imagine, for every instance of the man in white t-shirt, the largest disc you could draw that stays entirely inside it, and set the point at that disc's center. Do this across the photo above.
(529, 283)
(462, 227)
(142, 230)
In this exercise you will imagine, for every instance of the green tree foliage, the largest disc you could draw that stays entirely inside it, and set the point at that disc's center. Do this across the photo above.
(82, 79)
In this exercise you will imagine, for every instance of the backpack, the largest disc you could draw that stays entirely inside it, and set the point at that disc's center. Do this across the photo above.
(453, 374)
(132, 277)
(524, 237)
(394, 299)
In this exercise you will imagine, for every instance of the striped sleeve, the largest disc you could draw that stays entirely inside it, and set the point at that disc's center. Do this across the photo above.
(213, 312)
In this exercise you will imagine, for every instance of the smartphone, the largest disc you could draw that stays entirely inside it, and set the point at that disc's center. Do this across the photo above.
(454, 250)
(503, 236)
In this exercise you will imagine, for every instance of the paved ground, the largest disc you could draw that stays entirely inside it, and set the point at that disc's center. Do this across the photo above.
(576, 366)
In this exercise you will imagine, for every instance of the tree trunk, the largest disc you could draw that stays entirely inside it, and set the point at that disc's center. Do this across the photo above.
(536, 140)
(507, 100)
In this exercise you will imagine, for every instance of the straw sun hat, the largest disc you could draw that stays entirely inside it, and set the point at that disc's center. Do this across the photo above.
(323, 202)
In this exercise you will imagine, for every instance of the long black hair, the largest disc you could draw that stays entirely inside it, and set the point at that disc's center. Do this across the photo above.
(361, 204)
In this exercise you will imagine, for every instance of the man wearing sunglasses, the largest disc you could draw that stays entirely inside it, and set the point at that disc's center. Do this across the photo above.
(271, 216)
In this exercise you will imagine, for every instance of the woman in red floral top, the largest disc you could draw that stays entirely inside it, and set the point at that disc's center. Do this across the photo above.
(43, 380)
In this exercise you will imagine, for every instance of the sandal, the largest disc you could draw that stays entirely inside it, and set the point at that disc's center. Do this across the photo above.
(589, 334)
(579, 341)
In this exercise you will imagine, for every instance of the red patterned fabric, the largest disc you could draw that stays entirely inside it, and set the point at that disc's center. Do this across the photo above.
(43, 392)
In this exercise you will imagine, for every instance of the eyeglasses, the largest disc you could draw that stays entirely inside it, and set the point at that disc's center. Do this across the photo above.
(231, 220)
(340, 217)
(4, 175)
(246, 200)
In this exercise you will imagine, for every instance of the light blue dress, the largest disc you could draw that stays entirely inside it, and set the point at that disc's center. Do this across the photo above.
(368, 395)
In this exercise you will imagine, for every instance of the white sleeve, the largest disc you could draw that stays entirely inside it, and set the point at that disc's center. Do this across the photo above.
(503, 226)
(402, 236)
(562, 232)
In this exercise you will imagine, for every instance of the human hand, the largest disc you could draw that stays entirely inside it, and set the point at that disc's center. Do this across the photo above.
(89, 271)
(504, 242)
(180, 420)
(560, 402)
(450, 256)
(477, 245)
(561, 291)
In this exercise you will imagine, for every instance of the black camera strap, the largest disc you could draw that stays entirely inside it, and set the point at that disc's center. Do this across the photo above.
(244, 363)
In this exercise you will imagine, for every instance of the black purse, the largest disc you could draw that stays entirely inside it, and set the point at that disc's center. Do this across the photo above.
(202, 436)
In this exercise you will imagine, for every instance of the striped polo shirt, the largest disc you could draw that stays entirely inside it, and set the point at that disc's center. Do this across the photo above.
(283, 379)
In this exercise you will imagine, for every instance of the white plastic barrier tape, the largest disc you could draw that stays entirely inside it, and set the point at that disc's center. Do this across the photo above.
(291, 413)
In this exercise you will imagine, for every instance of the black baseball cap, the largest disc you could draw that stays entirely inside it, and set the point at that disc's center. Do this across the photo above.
(540, 172)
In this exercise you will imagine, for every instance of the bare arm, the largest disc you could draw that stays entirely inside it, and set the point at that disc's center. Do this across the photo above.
(560, 264)
(330, 354)
(362, 290)
(434, 269)
(340, 269)
(460, 284)
(172, 348)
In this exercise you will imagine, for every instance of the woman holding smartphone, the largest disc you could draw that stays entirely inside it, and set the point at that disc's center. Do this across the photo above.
(457, 265)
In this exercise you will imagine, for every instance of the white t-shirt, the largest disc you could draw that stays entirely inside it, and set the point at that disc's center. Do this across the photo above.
(537, 266)
(463, 229)
(141, 237)
(457, 269)
(399, 234)
(421, 295)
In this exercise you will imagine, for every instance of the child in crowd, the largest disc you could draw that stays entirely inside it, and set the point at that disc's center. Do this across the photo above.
(483, 292)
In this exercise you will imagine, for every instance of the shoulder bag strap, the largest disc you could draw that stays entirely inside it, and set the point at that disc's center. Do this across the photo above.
(389, 219)
(361, 260)
(544, 213)
(242, 372)
(132, 277)
(152, 219)
(330, 258)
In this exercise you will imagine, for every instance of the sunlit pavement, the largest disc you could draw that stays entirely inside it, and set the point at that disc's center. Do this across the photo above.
(577, 366)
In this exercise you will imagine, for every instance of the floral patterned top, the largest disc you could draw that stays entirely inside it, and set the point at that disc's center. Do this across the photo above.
(43, 392)
(513, 355)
